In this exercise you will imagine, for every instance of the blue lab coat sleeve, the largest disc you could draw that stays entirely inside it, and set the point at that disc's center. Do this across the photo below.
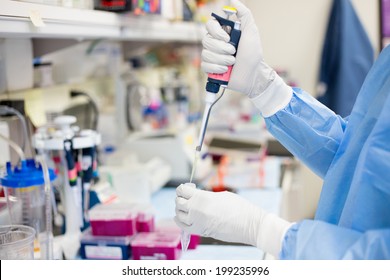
(305, 240)
(309, 130)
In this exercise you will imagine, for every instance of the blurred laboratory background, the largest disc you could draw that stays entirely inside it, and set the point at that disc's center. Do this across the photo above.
(101, 102)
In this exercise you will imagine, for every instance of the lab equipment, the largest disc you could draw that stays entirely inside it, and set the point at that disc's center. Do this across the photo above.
(156, 246)
(113, 220)
(105, 247)
(70, 162)
(351, 157)
(64, 142)
(17, 242)
(88, 166)
(27, 190)
(214, 82)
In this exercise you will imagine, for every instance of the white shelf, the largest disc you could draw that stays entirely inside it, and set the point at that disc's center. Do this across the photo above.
(70, 23)
(59, 22)
(155, 29)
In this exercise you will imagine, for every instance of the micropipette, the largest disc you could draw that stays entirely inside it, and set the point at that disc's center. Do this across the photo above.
(214, 83)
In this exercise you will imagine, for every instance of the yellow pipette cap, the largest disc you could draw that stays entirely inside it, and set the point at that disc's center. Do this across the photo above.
(229, 10)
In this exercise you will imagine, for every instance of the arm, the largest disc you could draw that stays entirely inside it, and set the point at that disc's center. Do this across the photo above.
(320, 240)
(309, 130)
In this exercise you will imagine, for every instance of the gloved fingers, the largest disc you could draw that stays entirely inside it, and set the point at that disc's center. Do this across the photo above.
(216, 31)
(181, 224)
(186, 190)
(217, 46)
(213, 68)
(182, 204)
(220, 59)
(243, 13)
(183, 217)
(242, 10)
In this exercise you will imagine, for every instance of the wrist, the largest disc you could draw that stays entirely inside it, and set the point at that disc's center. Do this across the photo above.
(254, 227)
(274, 97)
(272, 232)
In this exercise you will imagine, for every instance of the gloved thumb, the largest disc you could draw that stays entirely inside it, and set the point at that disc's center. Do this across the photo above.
(243, 13)
(186, 190)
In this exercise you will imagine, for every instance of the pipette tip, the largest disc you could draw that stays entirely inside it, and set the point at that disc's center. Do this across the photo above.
(185, 240)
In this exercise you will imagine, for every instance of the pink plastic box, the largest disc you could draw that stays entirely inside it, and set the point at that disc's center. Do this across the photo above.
(156, 246)
(145, 222)
(113, 220)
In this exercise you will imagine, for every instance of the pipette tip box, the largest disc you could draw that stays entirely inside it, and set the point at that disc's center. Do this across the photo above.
(156, 246)
(113, 220)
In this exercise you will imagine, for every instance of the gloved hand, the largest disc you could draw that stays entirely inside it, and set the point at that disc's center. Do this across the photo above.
(250, 75)
(228, 217)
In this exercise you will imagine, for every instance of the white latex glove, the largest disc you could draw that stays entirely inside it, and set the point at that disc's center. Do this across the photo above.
(228, 217)
(250, 75)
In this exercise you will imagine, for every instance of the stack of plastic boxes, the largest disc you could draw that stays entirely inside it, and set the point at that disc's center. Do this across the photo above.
(113, 226)
(127, 231)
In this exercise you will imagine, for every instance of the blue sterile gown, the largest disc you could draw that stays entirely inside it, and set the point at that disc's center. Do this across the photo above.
(352, 155)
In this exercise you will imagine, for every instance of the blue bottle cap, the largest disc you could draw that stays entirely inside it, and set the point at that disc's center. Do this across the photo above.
(29, 174)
